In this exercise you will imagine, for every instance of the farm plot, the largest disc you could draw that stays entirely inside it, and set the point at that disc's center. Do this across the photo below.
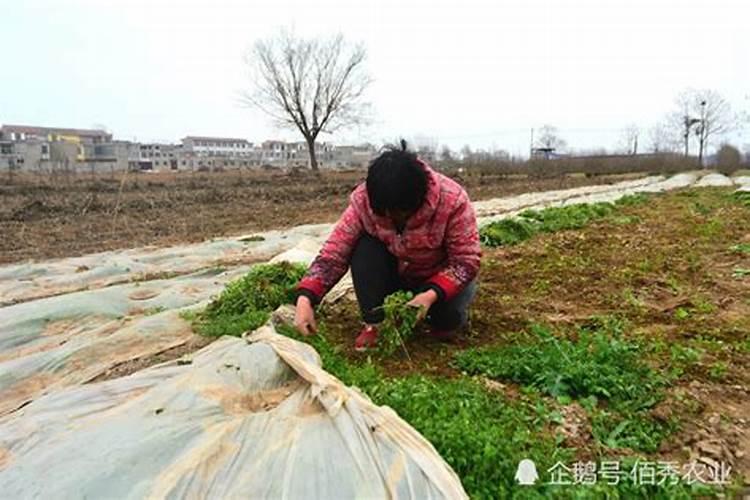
(603, 335)
(624, 339)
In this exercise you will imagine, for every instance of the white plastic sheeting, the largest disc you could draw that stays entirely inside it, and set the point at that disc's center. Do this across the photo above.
(69, 339)
(496, 206)
(714, 180)
(27, 281)
(502, 208)
(262, 420)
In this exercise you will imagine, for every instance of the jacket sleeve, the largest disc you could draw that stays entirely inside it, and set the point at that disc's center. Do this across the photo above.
(333, 260)
(464, 252)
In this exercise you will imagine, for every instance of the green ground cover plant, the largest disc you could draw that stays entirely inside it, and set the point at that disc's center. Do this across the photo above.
(247, 303)
(600, 368)
(743, 197)
(481, 433)
(514, 230)
(741, 248)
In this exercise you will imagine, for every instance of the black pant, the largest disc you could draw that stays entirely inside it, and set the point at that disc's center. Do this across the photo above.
(375, 276)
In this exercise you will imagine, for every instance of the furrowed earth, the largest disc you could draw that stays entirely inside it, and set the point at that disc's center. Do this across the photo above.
(64, 216)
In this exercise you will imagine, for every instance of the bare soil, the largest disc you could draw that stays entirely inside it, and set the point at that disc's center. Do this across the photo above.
(62, 216)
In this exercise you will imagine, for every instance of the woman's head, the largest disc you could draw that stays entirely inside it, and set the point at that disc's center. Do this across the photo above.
(396, 182)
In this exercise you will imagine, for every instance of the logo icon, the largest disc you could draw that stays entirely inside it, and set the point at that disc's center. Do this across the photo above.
(526, 474)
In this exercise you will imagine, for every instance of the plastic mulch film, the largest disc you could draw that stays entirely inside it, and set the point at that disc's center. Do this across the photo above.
(250, 418)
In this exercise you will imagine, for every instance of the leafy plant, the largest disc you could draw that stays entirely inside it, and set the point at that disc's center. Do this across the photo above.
(507, 232)
(743, 197)
(483, 435)
(718, 370)
(514, 230)
(246, 303)
(681, 314)
(599, 363)
(741, 248)
(632, 199)
(400, 321)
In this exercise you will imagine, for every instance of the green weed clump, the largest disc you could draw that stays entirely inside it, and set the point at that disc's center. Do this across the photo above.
(508, 232)
(599, 368)
(632, 199)
(743, 197)
(741, 248)
(246, 303)
(400, 321)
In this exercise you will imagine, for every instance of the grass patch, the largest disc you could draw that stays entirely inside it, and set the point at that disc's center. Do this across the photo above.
(247, 303)
(743, 197)
(514, 230)
(599, 368)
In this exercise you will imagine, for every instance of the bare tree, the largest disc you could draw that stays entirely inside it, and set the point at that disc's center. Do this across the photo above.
(549, 138)
(446, 154)
(314, 85)
(426, 146)
(704, 113)
(661, 138)
(629, 139)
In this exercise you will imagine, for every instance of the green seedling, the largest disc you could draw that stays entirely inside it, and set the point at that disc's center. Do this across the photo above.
(399, 324)
(741, 248)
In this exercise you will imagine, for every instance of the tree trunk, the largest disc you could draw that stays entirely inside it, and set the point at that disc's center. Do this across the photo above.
(700, 152)
(313, 157)
(687, 141)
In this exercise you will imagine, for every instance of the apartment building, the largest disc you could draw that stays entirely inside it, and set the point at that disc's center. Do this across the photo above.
(43, 149)
(46, 148)
(216, 146)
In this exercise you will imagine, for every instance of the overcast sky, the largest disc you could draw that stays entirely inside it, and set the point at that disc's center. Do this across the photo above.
(463, 72)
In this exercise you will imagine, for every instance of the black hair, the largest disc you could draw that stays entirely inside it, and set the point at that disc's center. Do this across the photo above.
(396, 181)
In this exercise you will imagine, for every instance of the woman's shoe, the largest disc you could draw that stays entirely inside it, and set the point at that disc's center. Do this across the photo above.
(367, 338)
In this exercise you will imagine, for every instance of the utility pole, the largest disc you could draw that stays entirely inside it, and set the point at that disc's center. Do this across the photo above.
(531, 144)
(701, 131)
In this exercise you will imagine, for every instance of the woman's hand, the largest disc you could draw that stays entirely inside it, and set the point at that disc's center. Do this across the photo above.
(304, 316)
(424, 301)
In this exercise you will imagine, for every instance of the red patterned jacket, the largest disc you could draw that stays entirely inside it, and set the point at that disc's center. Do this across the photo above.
(439, 245)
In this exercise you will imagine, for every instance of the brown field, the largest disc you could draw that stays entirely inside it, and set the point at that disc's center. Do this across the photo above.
(63, 216)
